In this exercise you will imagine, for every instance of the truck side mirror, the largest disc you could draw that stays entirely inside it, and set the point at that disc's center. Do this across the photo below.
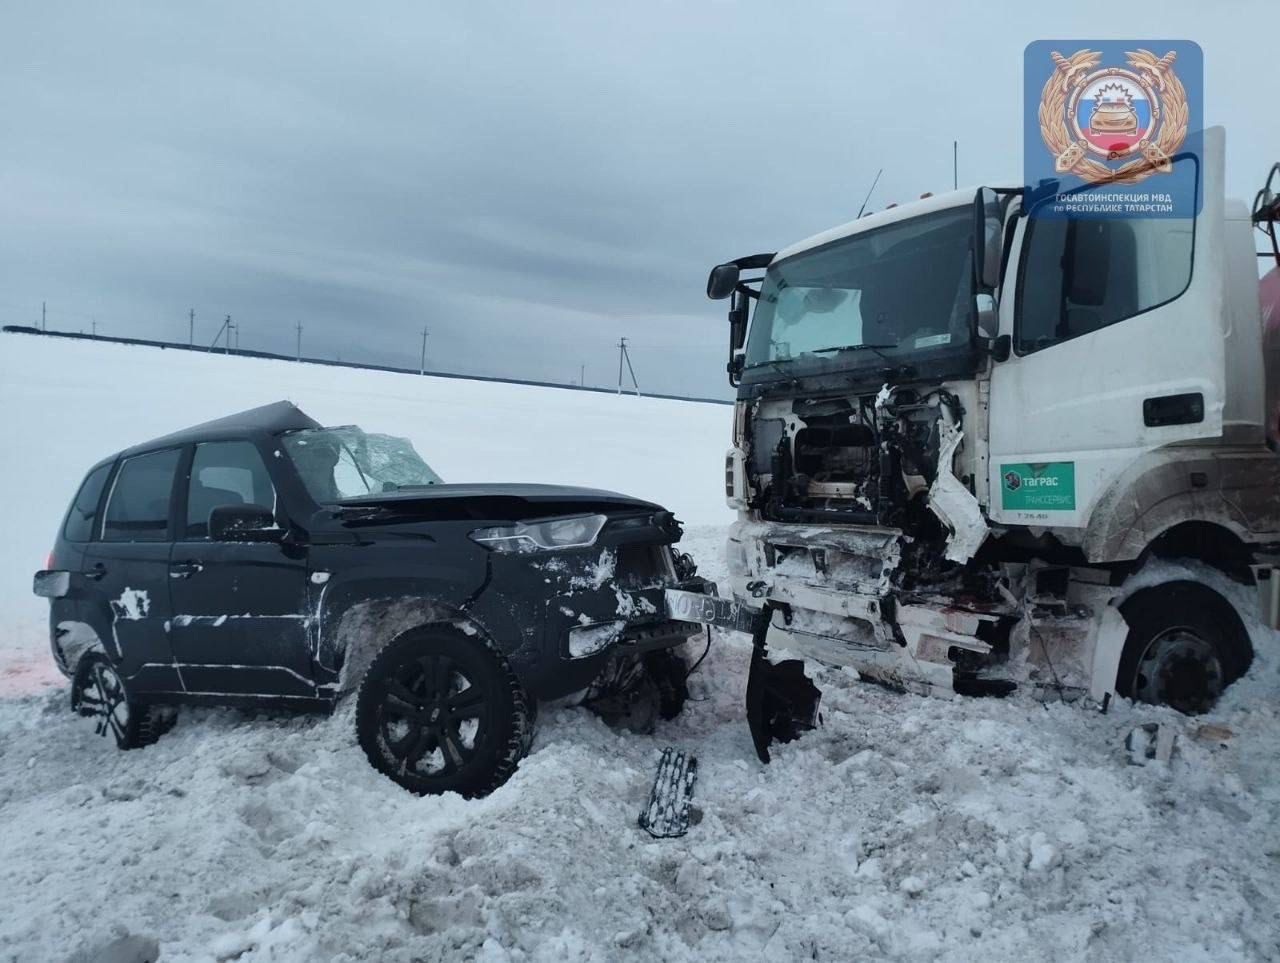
(984, 306)
(988, 232)
(738, 310)
(723, 281)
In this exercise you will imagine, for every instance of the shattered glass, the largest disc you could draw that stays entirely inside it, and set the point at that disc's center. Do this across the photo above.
(337, 463)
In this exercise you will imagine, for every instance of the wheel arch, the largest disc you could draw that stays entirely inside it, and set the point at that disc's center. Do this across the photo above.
(1154, 497)
(1214, 543)
(358, 618)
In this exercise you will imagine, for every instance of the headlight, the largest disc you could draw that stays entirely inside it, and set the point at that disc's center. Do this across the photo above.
(543, 535)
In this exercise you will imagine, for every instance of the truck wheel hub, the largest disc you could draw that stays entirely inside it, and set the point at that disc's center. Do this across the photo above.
(1179, 669)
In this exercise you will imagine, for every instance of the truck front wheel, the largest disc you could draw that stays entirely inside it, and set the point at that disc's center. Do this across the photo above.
(1186, 644)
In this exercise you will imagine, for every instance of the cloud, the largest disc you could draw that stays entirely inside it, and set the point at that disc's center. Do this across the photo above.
(528, 181)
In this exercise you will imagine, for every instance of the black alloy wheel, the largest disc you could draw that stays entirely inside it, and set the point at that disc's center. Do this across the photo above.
(440, 711)
(99, 693)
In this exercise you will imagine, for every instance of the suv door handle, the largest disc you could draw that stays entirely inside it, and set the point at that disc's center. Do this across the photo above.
(184, 569)
(97, 572)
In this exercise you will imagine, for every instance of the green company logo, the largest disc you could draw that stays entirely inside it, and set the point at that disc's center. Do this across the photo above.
(1047, 486)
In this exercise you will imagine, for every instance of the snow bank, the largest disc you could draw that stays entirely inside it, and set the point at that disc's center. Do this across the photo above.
(906, 828)
(65, 404)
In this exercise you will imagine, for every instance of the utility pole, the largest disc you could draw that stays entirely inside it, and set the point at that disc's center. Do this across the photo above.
(422, 367)
(95, 327)
(191, 328)
(624, 355)
(299, 327)
(582, 376)
(955, 165)
(227, 326)
(43, 325)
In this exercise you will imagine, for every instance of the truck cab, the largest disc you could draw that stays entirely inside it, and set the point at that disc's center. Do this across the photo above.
(962, 431)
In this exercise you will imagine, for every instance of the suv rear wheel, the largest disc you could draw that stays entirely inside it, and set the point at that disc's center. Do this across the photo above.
(98, 692)
(441, 711)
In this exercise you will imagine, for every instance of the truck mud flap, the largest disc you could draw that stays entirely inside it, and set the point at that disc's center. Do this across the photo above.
(782, 702)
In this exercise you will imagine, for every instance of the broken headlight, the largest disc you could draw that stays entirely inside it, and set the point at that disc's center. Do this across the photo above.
(542, 535)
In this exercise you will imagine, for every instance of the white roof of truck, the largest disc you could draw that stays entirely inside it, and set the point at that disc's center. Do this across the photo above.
(925, 205)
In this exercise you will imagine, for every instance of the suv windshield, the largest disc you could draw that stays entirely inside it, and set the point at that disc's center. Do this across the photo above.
(897, 290)
(338, 463)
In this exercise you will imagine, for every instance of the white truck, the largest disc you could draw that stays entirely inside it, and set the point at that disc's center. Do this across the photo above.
(975, 451)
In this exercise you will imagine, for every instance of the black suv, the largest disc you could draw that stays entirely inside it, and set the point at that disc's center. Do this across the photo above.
(262, 559)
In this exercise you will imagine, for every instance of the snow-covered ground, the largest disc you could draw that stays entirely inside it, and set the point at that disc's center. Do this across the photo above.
(905, 828)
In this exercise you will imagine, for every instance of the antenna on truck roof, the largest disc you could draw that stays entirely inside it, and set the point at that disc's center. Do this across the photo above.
(869, 190)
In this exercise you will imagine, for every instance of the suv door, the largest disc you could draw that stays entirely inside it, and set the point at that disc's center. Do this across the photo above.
(126, 572)
(241, 623)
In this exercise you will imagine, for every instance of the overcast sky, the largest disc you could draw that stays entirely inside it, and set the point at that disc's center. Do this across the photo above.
(529, 181)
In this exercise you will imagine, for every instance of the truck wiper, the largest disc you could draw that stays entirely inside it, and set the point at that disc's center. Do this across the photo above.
(877, 348)
(777, 366)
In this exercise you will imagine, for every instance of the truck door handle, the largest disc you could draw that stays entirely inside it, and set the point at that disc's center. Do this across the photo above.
(96, 572)
(184, 569)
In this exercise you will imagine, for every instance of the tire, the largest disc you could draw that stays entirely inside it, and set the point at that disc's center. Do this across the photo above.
(98, 692)
(440, 711)
(1186, 644)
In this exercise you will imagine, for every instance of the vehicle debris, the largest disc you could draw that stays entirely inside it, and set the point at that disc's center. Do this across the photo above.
(667, 813)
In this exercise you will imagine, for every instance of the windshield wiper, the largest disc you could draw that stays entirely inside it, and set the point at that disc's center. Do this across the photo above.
(877, 348)
(777, 366)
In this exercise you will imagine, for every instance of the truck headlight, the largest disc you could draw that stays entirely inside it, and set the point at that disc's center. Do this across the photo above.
(542, 535)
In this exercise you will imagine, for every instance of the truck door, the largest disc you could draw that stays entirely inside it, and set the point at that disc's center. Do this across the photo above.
(240, 621)
(126, 572)
(1117, 329)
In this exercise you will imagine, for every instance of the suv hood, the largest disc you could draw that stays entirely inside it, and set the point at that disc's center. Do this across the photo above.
(554, 498)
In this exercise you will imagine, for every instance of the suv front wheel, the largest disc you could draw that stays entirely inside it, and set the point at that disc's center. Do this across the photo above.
(441, 711)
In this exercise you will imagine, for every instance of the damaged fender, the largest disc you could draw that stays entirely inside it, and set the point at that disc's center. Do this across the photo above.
(952, 502)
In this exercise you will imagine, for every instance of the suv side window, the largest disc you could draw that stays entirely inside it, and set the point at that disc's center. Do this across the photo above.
(83, 516)
(1078, 275)
(138, 507)
(225, 473)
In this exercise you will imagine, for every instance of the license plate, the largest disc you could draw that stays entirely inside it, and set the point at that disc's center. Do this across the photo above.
(709, 610)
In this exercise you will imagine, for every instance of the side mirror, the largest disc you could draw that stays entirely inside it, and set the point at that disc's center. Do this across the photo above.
(988, 231)
(723, 281)
(243, 523)
(988, 320)
(738, 311)
(1001, 348)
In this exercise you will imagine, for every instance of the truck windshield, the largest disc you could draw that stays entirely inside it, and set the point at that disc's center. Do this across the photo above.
(338, 463)
(894, 291)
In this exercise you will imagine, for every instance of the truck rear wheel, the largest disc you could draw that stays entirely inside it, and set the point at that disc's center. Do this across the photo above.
(1186, 644)
(440, 711)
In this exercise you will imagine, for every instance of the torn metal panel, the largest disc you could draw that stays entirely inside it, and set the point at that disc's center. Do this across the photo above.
(953, 503)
